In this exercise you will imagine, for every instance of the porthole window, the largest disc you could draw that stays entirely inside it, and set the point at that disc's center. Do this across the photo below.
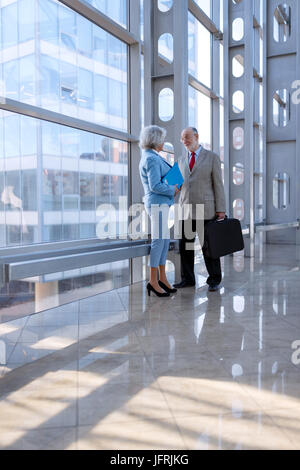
(166, 104)
(238, 66)
(282, 23)
(281, 108)
(281, 191)
(238, 138)
(164, 5)
(165, 47)
(238, 174)
(238, 102)
(238, 29)
(238, 209)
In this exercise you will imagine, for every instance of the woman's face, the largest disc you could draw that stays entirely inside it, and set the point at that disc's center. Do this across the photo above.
(159, 148)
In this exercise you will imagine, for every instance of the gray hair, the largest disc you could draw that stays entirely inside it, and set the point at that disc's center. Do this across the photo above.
(152, 137)
(193, 129)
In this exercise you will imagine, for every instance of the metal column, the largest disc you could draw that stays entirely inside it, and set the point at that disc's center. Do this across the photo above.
(241, 49)
(161, 74)
(135, 187)
(283, 119)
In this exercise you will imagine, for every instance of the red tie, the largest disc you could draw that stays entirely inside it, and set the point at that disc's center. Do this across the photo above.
(192, 162)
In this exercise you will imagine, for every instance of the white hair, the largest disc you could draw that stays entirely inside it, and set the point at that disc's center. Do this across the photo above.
(152, 137)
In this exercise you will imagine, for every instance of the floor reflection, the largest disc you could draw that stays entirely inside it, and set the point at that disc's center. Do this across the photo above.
(33, 295)
(198, 370)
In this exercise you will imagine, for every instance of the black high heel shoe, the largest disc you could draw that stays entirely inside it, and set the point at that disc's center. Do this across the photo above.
(166, 288)
(150, 289)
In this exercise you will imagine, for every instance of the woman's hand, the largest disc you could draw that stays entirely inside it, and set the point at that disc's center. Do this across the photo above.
(177, 190)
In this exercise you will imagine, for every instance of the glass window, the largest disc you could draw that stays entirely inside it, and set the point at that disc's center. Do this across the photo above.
(87, 191)
(166, 104)
(142, 92)
(11, 79)
(85, 37)
(165, 47)
(10, 25)
(26, 24)
(221, 15)
(29, 190)
(50, 138)
(205, 5)
(238, 174)
(238, 29)
(238, 138)
(48, 21)
(49, 83)
(282, 23)
(67, 27)
(221, 107)
(142, 19)
(85, 87)
(199, 51)
(65, 78)
(238, 66)
(77, 172)
(12, 195)
(221, 70)
(27, 79)
(164, 5)
(68, 84)
(28, 136)
(52, 190)
(238, 102)
(116, 9)
(200, 116)
(238, 209)
(12, 135)
(281, 108)
(281, 191)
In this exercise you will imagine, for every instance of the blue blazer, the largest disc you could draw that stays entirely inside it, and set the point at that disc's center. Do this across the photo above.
(153, 168)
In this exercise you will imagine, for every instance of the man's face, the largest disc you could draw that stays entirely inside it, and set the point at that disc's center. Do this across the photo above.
(190, 140)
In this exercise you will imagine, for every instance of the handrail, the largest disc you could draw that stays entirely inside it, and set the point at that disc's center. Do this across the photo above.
(33, 252)
(28, 265)
(271, 227)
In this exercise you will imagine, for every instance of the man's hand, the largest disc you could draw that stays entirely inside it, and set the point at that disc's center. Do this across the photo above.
(177, 190)
(221, 215)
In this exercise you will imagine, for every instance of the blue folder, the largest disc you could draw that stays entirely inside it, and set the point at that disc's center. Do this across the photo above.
(174, 176)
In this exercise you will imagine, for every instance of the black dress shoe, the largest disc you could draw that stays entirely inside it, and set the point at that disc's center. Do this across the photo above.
(213, 287)
(183, 284)
(166, 288)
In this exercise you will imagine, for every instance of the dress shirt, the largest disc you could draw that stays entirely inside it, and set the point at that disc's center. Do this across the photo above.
(197, 153)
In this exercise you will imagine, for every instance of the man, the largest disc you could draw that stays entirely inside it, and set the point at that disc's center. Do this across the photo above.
(203, 184)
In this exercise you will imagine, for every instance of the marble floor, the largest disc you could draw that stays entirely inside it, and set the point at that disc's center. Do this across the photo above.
(197, 370)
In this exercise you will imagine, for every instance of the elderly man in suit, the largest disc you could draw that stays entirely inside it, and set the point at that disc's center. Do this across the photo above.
(202, 185)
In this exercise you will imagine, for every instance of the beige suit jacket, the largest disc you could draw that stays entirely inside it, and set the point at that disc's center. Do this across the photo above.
(204, 185)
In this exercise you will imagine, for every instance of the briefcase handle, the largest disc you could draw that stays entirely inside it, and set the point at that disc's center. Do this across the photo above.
(220, 220)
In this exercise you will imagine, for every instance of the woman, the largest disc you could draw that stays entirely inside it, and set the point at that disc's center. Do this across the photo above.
(158, 199)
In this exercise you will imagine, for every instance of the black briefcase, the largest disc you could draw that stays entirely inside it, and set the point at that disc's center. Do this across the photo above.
(223, 237)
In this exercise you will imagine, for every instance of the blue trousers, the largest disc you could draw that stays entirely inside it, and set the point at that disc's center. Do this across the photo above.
(160, 234)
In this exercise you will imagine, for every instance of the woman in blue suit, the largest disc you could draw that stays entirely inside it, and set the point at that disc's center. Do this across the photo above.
(159, 197)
